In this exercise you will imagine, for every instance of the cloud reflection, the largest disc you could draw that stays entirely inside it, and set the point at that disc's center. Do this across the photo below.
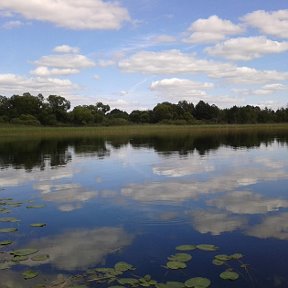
(79, 249)
(246, 202)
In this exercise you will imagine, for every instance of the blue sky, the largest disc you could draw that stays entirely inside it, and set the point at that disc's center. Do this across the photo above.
(134, 54)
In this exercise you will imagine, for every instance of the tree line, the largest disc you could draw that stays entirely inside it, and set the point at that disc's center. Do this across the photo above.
(56, 111)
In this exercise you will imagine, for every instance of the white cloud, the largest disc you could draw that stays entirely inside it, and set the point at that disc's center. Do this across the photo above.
(72, 14)
(163, 39)
(215, 222)
(175, 62)
(12, 84)
(70, 61)
(211, 29)
(43, 71)
(247, 48)
(12, 24)
(66, 49)
(246, 202)
(273, 23)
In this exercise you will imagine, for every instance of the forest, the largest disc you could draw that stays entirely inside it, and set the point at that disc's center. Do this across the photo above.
(55, 110)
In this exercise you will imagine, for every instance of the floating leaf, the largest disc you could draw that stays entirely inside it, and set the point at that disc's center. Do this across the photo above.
(174, 284)
(35, 206)
(217, 262)
(123, 266)
(29, 274)
(207, 247)
(18, 258)
(186, 247)
(7, 242)
(38, 225)
(9, 219)
(181, 257)
(223, 257)
(5, 266)
(4, 211)
(128, 281)
(236, 256)
(174, 265)
(198, 282)
(24, 252)
(43, 257)
(229, 275)
(8, 230)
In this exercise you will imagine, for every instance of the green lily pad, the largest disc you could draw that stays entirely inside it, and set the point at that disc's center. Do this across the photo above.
(207, 247)
(128, 281)
(38, 225)
(236, 256)
(174, 265)
(9, 219)
(217, 262)
(123, 267)
(181, 257)
(174, 284)
(24, 252)
(186, 247)
(8, 230)
(35, 206)
(229, 275)
(29, 274)
(223, 257)
(4, 211)
(20, 258)
(5, 266)
(43, 257)
(198, 282)
(4, 243)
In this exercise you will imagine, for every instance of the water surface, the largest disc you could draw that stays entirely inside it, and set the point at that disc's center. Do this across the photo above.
(135, 199)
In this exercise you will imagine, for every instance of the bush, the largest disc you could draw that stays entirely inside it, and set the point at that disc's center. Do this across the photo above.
(26, 119)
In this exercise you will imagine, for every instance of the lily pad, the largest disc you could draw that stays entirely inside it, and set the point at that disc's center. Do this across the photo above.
(38, 225)
(4, 243)
(229, 275)
(223, 257)
(207, 247)
(43, 257)
(24, 252)
(181, 257)
(8, 230)
(217, 262)
(174, 265)
(198, 282)
(5, 266)
(29, 274)
(236, 256)
(186, 247)
(19, 258)
(128, 281)
(35, 206)
(123, 267)
(4, 211)
(9, 219)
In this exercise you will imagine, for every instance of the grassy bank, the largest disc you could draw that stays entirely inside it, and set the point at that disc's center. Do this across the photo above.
(12, 131)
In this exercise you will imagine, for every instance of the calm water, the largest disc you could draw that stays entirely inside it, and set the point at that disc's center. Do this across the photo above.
(137, 199)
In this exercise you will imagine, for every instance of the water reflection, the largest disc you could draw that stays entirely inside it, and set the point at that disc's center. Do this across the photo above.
(82, 248)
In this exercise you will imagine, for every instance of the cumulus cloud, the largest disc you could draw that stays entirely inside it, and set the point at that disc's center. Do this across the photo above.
(216, 222)
(12, 83)
(45, 71)
(211, 29)
(72, 14)
(274, 23)
(275, 226)
(70, 61)
(66, 49)
(246, 202)
(174, 61)
(163, 38)
(247, 48)
(79, 249)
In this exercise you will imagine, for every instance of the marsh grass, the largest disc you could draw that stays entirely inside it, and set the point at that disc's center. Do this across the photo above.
(18, 132)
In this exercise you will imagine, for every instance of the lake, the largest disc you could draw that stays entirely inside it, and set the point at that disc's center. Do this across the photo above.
(148, 202)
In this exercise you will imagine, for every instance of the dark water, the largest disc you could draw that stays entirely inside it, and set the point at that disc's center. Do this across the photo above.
(137, 199)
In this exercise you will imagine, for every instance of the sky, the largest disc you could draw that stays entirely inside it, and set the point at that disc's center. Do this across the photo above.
(133, 54)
